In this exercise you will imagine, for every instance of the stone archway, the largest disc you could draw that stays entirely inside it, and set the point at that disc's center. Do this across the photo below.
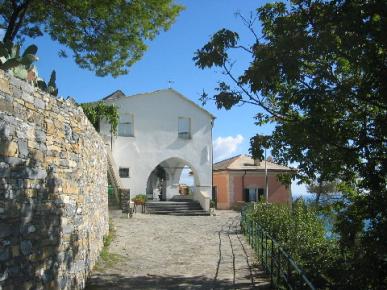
(165, 178)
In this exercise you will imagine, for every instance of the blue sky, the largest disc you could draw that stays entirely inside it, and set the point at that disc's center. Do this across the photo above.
(169, 58)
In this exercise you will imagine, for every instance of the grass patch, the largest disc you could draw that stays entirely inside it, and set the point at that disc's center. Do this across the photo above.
(107, 259)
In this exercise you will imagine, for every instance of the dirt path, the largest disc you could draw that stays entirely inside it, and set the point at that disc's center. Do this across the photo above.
(172, 252)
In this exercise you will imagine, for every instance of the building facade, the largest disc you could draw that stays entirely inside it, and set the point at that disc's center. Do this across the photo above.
(241, 179)
(160, 134)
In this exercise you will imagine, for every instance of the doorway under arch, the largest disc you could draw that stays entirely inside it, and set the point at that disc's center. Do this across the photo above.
(164, 181)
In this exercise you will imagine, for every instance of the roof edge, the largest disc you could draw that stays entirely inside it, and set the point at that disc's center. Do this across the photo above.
(228, 158)
(161, 90)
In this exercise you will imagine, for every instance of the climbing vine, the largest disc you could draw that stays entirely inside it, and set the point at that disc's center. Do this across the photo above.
(97, 111)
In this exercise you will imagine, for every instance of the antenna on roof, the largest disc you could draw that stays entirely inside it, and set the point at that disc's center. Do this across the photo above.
(170, 84)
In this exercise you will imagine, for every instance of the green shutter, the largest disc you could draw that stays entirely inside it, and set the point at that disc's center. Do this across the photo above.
(247, 196)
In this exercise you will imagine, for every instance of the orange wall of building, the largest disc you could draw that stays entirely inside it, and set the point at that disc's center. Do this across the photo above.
(221, 183)
(278, 193)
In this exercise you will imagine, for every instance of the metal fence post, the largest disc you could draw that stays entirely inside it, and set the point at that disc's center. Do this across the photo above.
(257, 241)
(289, 273)
(278, 266)
(266, 252)
(262, 247)
(250, 232)
(271, 263)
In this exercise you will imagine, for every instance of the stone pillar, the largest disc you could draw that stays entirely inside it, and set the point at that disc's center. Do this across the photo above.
(125, 198)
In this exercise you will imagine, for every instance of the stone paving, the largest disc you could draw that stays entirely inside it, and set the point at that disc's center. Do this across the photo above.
(179, 252)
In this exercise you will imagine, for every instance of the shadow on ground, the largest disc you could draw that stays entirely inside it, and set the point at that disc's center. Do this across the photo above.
(115, 281)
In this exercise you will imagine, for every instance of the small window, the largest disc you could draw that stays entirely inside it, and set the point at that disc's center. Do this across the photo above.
(184, 128)
(254, 194)
(125, 127)
(124, 172)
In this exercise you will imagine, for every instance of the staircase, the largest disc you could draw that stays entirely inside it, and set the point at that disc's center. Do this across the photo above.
(176, 206)
(114, 180)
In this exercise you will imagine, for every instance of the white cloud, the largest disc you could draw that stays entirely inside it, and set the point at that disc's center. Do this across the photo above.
(225, 147)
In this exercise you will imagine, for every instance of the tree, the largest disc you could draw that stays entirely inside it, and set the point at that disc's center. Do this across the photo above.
(321, 188)
(106, 36)
(318, 72)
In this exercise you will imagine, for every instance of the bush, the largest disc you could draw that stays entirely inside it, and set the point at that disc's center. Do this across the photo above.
(301, 233)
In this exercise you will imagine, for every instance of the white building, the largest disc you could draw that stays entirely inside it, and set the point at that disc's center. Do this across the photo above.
(159, 134)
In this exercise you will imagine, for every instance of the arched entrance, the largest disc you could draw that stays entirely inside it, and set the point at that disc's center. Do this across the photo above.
(163, 182)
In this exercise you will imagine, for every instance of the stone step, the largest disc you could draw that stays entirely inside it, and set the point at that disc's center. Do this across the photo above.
(172, 202)
(181, 213)
(173, 209)
(182, 207)
(174, 206)
(178, 204)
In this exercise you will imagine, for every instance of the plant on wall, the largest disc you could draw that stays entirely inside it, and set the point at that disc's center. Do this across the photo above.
(100, 110)
(21, 66)
(49, 87)
(18, 65)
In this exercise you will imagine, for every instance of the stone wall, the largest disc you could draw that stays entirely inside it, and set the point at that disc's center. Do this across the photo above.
(53, 190)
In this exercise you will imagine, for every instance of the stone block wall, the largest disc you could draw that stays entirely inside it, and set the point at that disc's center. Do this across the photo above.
(53, 190)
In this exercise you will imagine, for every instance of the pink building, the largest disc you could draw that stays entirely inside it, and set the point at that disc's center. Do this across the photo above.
(241, 179)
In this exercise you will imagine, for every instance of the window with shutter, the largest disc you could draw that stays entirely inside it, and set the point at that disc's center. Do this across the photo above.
(125, 127)
(247, 195)
(253, 194)
(184, 128)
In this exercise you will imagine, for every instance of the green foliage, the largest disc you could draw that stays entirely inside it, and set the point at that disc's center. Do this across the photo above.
(286, 178)
(318, 72)
(50, 87)
(21, 65)
(104, 36)
(11, 60)
(107, 259)
(301, 233)
(258, 144)
(214, 53)
(100, 110)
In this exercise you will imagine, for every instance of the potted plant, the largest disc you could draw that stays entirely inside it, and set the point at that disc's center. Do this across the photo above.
(140, 199)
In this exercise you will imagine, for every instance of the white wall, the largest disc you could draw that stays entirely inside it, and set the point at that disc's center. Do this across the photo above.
(156, 138)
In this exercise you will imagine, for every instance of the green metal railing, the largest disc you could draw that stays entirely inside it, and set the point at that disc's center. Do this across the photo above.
(284, 272)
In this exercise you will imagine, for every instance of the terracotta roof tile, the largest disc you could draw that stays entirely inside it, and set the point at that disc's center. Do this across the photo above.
(245, 162)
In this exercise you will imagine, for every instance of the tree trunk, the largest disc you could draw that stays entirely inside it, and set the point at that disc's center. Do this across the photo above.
(16, 21)
(317, 200)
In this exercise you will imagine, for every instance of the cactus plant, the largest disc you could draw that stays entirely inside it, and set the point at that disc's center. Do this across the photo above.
(16, 64)
(22, 66)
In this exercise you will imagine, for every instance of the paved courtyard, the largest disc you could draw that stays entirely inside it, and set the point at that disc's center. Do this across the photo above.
(179, 252)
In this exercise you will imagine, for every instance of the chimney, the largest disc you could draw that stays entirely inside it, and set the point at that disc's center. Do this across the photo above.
(257, 162)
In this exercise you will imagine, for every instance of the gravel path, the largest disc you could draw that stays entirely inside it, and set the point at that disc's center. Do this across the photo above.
(179, 252)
